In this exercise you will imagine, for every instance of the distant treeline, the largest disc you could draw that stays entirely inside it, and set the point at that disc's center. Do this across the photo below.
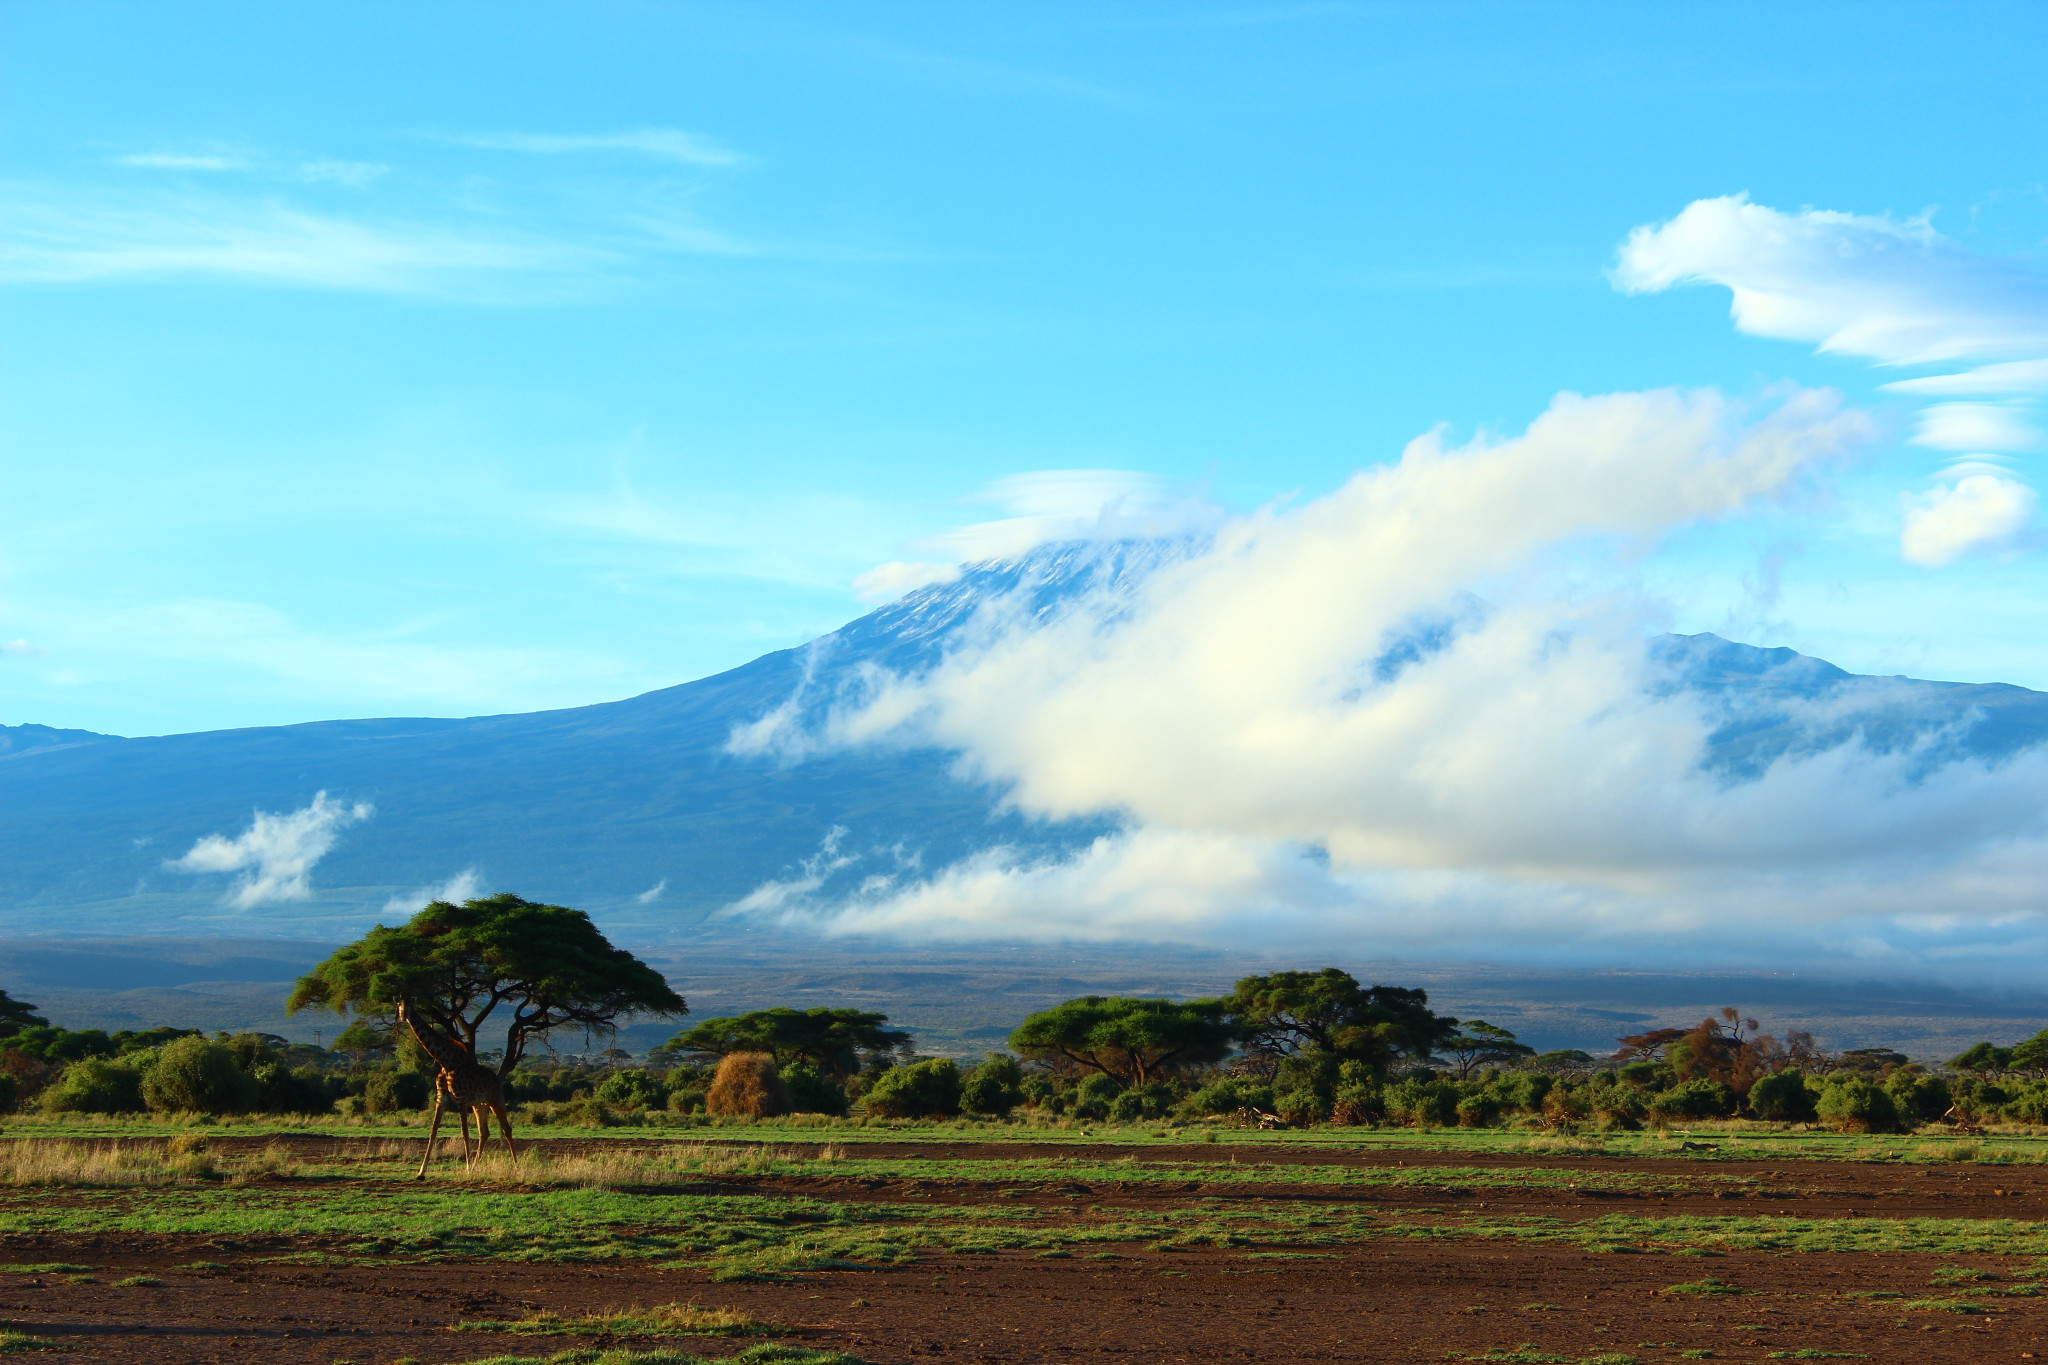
(1294, 1048)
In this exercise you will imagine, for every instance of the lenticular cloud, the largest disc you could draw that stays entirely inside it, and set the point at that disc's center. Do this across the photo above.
(1421, 714)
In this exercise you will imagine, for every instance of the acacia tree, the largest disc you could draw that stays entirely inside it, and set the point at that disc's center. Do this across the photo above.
(498, 961)
(1282, 1014)
(1135, 1040)
(1478, 1043)
(16, 1015)
(834, 1041)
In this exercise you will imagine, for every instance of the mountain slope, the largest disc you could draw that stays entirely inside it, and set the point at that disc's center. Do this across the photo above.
(597, 805)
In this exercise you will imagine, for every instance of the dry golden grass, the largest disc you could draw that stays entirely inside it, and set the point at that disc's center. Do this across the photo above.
(43, 1161)
(631, 1167)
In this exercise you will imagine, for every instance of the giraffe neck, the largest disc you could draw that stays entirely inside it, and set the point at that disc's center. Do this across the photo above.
(446, 1053)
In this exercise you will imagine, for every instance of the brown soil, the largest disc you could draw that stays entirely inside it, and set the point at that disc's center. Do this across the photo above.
(1388, 1300)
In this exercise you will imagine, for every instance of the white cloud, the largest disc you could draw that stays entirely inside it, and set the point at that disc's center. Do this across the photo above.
(1976, 512)
(1074, 504)
(276, 853)
(19, 649)
(1897, 293)
(87, 237)
(1975, 427)
(2011, 376)
(887, 582)
(652, 893)
(670, 144)
(1526, 787)
(173, 161)
(463, 886)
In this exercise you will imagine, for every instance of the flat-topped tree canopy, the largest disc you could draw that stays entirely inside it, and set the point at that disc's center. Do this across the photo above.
(834, 1041)
(495, 960)
(1135, 1039)
(1282, 1013)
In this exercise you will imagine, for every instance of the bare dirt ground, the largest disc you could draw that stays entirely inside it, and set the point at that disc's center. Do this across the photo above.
(1393, 1299)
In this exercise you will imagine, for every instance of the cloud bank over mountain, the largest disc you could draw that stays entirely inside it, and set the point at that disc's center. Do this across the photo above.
(1422, 714)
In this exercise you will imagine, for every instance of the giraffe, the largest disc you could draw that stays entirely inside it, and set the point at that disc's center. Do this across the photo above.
(464, 1083)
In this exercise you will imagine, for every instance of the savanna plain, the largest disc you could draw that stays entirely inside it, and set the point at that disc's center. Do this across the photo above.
(830, 1243)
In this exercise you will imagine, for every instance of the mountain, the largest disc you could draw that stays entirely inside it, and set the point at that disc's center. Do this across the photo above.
(600, 805)
(16, 740)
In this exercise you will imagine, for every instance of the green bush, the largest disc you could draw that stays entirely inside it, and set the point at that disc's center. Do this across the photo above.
(1093, 1096)
(393, 1091)
(1851, 1104)
(1152, 1100)
(195, 1076)
(1783, 1097)
(633, 1089)
(1522, 1091)
(1423, 1103)
(2028, 1104)
(811, 1091)
(1227, 1096)
(995, 1087)
(1617, 1108)
(1698, 1098)
(8, 1093)
(927, 1089)
(1919, 1097)
(294, 1090)
(1480, 1109)
(95, 1086)
(1357, 1098)
(1305, 1087)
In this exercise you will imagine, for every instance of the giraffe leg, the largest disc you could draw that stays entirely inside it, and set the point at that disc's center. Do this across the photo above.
(468, 1157)
(433, 1130)
(483, 1128)
(505, 1125)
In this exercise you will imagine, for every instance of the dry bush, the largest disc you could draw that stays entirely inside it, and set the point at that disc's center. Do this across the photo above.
(747, 1085)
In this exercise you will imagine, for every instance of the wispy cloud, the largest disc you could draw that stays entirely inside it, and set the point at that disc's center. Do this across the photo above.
(668, 144)
(181, 161)
(276, 854)
(1897, 293)
(19, 649)
(74, 237)
(652, 893)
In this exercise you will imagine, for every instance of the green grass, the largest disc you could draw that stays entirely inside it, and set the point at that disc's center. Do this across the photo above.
(43, 1268)
(1706, 1287)
(11, 1340)
(668, 1320)
(757, 1355)
(1736, 1140)
(138, 1282)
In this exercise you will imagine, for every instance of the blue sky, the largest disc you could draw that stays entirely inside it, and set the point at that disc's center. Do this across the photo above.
(380, 360)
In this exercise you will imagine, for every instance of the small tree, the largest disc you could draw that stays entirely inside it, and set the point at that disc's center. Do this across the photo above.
(16, 1015)
(1478, 1043)
(1280, 1014)
(1134, 1040)
(496, 961)
(832, 1041)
